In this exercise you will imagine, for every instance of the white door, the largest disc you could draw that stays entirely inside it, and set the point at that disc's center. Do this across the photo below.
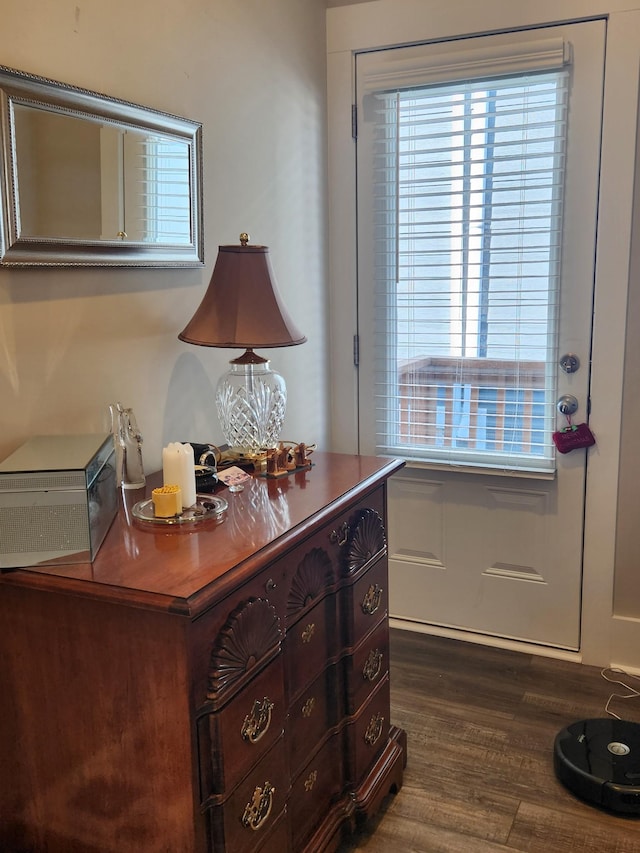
(463, 319)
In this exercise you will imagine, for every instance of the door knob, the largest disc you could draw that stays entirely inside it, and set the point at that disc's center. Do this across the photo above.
(567, 404)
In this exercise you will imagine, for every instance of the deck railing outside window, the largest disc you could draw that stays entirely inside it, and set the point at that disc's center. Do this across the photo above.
(494, 408)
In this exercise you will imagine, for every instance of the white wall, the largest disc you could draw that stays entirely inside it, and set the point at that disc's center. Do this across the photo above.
(72, 341)
(608, 635)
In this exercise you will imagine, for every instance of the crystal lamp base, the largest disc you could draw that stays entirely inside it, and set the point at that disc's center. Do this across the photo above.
(251, 400)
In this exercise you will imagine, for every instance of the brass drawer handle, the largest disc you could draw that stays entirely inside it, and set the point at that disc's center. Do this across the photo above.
(340, 536)
(310, 781)
(308, 632)
(372, 599)
(257, 722)
(374, 729)
(373, 665)
(259, 807)
(307, 708)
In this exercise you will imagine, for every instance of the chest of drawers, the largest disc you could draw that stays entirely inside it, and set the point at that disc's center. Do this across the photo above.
(221, 690)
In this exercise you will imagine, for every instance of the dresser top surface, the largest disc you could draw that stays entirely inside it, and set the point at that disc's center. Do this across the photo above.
(173, 568)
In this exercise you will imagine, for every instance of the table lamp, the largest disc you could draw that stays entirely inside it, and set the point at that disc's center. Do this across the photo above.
(243, 309)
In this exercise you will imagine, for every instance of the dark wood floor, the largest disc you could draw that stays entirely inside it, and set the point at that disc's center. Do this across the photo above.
(481, 724)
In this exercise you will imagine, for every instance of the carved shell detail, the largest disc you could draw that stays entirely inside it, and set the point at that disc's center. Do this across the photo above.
(313, 575)
(252, 630)
(366, 540)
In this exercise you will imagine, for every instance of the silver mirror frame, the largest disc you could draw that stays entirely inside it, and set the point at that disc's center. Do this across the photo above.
(18, 87)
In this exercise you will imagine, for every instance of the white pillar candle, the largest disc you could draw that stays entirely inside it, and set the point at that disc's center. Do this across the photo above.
(172, 468)
(188, 483)
(178, 469)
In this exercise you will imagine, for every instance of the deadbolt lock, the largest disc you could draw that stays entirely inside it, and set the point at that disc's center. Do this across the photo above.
(570, 362)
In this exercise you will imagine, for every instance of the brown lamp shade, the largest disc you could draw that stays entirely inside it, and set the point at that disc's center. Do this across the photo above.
(242, 306)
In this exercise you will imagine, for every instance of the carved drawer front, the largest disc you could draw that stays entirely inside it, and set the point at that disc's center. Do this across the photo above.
(312, 576)
(310, 643)
(234, 738)
(366, 602)
(360, 533)
(248, 640)
(310, 717)
(367, 733)
(245, 819)
(366, 667)
(313, 790)
(214, 625)
(365, 541)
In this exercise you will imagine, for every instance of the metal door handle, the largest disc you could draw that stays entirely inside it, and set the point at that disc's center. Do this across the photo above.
(567, 404)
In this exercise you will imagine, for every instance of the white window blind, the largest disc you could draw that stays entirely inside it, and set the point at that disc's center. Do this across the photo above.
(157, 189)
(166, 174)
(468, 186)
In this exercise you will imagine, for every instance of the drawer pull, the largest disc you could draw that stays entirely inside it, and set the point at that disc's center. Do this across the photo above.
(307, 708)
(373, 665)
(257, 722)
(310, 781)
(340, 536)
(372, 599)
(270, 585)
(308, 632)
(258, 808)
(374, 729)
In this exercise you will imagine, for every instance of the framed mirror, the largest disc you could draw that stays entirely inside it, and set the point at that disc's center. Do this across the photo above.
(89, 180)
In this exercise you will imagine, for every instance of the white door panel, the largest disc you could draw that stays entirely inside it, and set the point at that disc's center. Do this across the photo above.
(488, 552)
(480, 556)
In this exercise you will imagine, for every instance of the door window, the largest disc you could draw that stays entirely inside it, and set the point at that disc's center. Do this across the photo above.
(466, 202)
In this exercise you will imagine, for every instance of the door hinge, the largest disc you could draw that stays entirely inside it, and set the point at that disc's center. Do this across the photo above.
(356, 350)
(354, 121)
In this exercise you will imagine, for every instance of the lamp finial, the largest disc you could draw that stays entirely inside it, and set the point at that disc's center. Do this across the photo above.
(244, 238)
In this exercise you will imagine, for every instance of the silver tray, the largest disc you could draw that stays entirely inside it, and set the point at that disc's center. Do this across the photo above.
(205, 508)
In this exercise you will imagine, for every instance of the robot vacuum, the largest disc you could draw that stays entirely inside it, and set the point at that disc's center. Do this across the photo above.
(599, 761)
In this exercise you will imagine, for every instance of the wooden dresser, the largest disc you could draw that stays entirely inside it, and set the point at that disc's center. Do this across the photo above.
(222, 687)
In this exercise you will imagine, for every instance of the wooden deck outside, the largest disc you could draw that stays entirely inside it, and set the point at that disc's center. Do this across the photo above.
(484, 391)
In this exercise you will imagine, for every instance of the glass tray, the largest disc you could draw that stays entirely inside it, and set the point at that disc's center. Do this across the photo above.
(205, 508)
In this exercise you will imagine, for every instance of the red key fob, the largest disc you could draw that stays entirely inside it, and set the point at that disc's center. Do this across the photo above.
(573, 437)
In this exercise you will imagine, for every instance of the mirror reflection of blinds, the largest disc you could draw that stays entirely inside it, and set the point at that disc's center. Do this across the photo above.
(163, 191)
(468, 184)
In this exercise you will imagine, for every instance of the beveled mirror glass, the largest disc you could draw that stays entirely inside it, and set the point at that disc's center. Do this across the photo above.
(89, 180)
